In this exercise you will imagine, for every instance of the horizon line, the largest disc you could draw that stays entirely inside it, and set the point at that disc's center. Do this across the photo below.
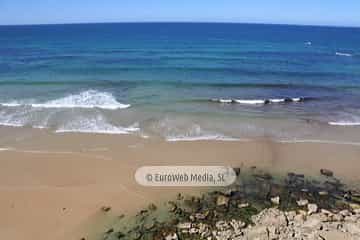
(189, 22)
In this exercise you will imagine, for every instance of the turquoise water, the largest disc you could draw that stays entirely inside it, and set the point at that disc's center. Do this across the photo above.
(173, 80)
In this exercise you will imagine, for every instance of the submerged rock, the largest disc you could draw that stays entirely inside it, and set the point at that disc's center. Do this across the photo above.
(105, 208)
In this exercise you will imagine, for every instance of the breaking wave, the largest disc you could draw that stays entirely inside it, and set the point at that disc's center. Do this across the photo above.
(344, 123)
(343, 54)
(260, 101)
(86, 99)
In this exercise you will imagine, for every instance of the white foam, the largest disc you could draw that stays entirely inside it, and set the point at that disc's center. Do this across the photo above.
(5, 149)
(280, 100)
(201, 138)
(320, 141)
(9, 124)
(95, 125)
(344, 123)
(258, 101)
(225, 100)
(249, 101)
(11, 104)
(343, 54)
(86, 99)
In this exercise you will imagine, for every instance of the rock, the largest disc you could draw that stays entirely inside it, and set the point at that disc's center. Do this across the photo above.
(186, 225)
(263, 176)
(312, 222)
(193, 230)
(299, 219)
(203, 230)
(222, 200)
(222, 225)
(172, 236)
(354, 206)
(237, 225)
(270, 217)
(258, 233)
(230, 191)
(290, 215)
(347, 196)
(200, 216)
(326, 172)
(326, 212)
(172, 206)
(352, 228)
(120, 235)
(312, 208)
(275, 200)
(302, 202)
(179, 197)
(136, 235)
(105, 208)
(152, 207)
(237, 171)
(243, 205)
(323, 193)
(345, 213)
(337, 218)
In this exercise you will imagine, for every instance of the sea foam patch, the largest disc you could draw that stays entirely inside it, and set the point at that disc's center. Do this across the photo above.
(344, 123)
(200, 138)
(95, 125)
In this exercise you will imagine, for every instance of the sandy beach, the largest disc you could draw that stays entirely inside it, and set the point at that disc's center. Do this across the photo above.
(52, 186)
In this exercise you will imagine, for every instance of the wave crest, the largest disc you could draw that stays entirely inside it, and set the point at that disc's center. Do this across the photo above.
(259, 101)
(343, 54)
(86, 99)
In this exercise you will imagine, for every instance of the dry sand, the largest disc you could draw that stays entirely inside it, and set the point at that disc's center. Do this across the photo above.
(53, 185)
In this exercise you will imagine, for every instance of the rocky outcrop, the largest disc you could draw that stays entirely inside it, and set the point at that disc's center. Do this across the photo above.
(274, 224)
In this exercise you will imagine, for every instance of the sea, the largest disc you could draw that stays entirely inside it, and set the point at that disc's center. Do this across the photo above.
(183, 81)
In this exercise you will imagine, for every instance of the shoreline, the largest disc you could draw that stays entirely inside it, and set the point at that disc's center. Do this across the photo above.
(53, 185)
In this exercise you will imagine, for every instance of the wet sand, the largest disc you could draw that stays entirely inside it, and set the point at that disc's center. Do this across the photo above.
(52, 186)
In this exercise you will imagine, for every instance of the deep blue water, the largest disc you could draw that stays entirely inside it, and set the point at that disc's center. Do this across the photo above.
(168, 72)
